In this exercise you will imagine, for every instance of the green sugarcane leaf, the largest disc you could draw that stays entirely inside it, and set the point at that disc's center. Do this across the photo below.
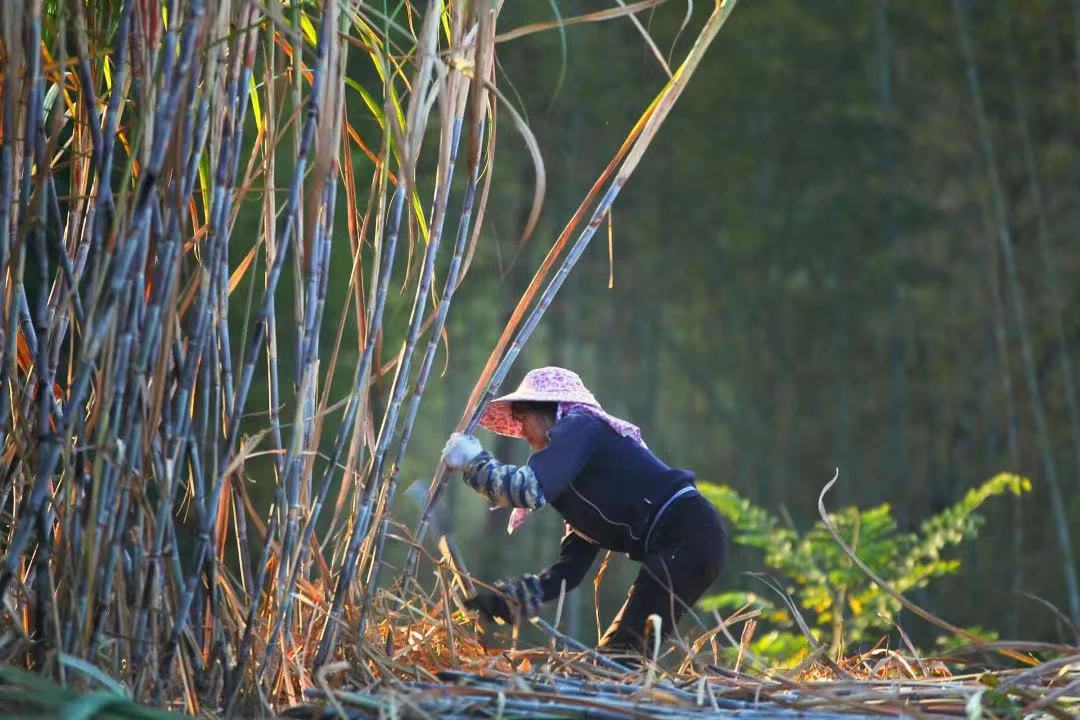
(13, 680)
(256, 109)
(33, 699)
(308, 29)
(96, 673)
(88, 706)
(369, 101)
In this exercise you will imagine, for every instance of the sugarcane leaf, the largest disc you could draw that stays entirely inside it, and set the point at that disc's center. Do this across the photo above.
(307, 28)
(88, 706)
(242, 268)
(369, 101)
(256, 109)
(12, 678)
(562, 23)
(94, 672)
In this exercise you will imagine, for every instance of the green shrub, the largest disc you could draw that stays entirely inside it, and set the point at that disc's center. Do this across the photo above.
(837, 600)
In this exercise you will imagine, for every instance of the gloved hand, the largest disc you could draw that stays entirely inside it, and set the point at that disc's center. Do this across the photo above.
(521, 597)
(459, 450)
(491, 606)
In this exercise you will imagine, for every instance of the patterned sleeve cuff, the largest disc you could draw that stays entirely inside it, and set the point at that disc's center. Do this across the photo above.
(526, 592)
(503, 484)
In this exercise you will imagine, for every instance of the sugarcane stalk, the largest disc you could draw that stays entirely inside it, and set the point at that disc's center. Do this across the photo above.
(104, 204)
(178, 441)
(175, 436)
(105, 307)
(233, 680)
(220, 229)
(288, 581)
(108, 575)
(452, 279)
(66, 287)
(397, 206)
(302, 431)
(253, 350)
(8, 337)
(44, 386)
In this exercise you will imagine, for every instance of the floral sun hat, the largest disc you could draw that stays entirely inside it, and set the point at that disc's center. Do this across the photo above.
(549, 384)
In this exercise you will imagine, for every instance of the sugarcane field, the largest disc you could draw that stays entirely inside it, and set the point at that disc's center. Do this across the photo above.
(547, 359)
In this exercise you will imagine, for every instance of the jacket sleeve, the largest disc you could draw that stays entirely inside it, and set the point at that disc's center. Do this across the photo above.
(576, 556)
(505, 485)
(529, 592)
(549, 472)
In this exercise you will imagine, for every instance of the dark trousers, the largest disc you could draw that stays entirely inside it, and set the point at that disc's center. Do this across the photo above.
(686, 554)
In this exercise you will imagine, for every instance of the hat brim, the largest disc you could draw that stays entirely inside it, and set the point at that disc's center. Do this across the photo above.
(498, 419)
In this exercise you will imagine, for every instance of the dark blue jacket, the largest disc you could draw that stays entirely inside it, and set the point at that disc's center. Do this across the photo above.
(607, 487)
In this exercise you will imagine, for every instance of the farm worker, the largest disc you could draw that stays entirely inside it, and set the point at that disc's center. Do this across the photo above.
(613, 493)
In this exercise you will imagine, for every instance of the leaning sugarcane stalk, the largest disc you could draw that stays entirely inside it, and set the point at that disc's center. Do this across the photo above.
(650, 123)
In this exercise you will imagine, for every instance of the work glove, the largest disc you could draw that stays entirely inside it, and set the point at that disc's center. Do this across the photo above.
(491, 605)
(518, 598)
(459, 450)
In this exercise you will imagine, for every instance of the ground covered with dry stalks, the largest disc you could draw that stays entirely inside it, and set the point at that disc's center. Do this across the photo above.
(197, 471)
(441, 663)
(429, 657)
